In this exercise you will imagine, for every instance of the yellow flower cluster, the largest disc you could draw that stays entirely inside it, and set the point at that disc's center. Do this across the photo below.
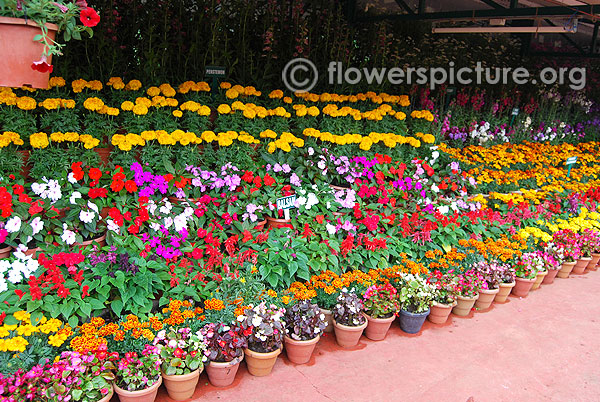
(57, 103)
(10, 137)
(251, 111)
(56, 82)
(401, 100)
(41, 140)
(225, 139)
(80, 84)
(12, 337)
(95, 104)
(237, 90)
(195, 107)
(426, 138)
(390, 140)
(26, 103)
(193, 86)
(422, 114)
(302, 110)
(126, 142)
(285, 143)
(116, 83)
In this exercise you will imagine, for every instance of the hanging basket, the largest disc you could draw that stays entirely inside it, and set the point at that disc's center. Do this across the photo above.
(18, 51)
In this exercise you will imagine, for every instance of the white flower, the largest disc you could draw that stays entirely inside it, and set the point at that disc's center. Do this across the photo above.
(4, 266)
(166, 208)
(443, 209)
(311, 151)
(74, 197)
(435, 155)
(330, 229)
(71, 178)
(111, 225)
(68, 236)
(37, 224)
(3, 285)
(180, 222)
(435, 188)
(86, 216)
(13, 224)
(93, 207)
(256, 321)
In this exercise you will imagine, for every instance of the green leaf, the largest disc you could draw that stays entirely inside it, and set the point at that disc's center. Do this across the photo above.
(117, 307)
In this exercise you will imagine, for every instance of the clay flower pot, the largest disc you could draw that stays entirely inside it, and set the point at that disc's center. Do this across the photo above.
(181, 387)
(328, 320)
(19, 50)
(347, 336)
(504, 291)
(33, 252)
(104, 154)
(143, 395)
(522, 287)
(439, 312)
(464, 305)
(549, 278)
(299, 352)
(101, 240)
(261, 364)
(108, 396)
(5, 252)
(411, 323)
(593, 265)
(486, 297)
(222, 374)
(580, 265)
(377, 328)
(278, 223)
(539, 278)
(566, 269)
(260, 225)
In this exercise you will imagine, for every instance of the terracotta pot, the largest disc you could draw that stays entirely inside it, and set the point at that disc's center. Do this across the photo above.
(411, 323)
(538, 279)
(261, 364)
(328, 320)
(181, 387)
(260, 226)
(338, 188)
(26, 166)
(278, 223)
(5, 252)
(338, 214)
(33, 252)
(566, 269)
(522, 287)
(299, 352)
(18, 51)
(464, 305)
(486, 297)
(593, 266)
(104, 212)
(222, 374)
(439, 312)
(347, 336)
(108, 396)
(549, 278)
(143, 395)
(100, 240)
(104, 154)
(580, 266)
(504, 291)
(377, 328)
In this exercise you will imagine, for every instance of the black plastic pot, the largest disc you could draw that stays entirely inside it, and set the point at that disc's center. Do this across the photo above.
(411, 323)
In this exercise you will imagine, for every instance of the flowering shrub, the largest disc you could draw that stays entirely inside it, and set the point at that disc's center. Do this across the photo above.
(445, 287)
(567, 243)
(589, 242)
(381, 301)
(348, 309)
(180, 350)
(468, 283)
(304, 321)
(136, 372)
(416, 294)
(265, 327)
(529, 265)
(224, 342)
(491, 273)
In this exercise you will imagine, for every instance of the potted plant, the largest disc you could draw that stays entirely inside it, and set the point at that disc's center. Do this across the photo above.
(182, 355)
(506, 283)
(551, 258)
(595, 246)
(304, 324)
(138, 377)
(348, 318)
(525, 271)
(490, 272)
(445, 296)
(225, 350)
(467, 284)
(265, 327)
(381, 305)
(326, 299)
(586, 245)
(416, 296)
(28, 29)
(568, 247)
(542, 270)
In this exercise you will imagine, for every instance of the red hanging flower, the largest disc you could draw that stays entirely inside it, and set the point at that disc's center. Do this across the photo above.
(42, 65)
(89, 17)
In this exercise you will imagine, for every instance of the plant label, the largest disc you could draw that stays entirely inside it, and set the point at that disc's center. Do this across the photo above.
(214, 72)
(515, 111)
(572, 160)
(286, 203)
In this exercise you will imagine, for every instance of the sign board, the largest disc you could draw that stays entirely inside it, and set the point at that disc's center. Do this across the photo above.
(571, 160)
(214, 72)
(451, 90)
(286, 203)
(515, 111)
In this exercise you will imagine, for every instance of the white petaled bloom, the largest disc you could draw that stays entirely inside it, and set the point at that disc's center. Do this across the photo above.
(435, 188)
(37, 224)
(93, 207)
(443, 209)
(74, 197)
(435, 155)
(166, 208)
(86, 216)
(330, 229)
(13, 224)
(111, 225)
(168, 222)
(4, 266)
(54, 192)
(311, 151)
(256, 321)
(68, 236)
(180, 222)
(71, 178)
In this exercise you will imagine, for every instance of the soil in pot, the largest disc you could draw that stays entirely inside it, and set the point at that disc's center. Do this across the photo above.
(261, 364)
(411, 323)
(464, 305)
(486, 297)
(346, 336)
(299, 352)
(522, 287)
(377, 328)
(222, 374)
(278, 223)
(439, 312)
(181, 387)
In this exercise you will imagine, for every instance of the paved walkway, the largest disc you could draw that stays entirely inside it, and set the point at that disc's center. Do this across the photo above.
(545, 347)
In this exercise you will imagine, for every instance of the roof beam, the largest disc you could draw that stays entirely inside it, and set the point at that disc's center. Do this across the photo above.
(405, 6)
(493, 4)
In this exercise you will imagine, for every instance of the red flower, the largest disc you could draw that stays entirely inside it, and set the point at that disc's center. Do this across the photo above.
(117, 185)
(84, 291)
(168, 177)
(269, 181)
(89, 17)
(95, 173)
(178, 352)
(19, 293)
(320, 218)
(18, 189)
(42, 65)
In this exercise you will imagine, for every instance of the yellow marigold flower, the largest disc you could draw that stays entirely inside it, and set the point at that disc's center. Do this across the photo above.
(127, 106)
(231, 93)
(57, 82)
(224, 109)
(140, 110)
(177, 113)
(153, 91)
(26, 103)
(133, 85)
(39, 140)
(94, 104)
(95, 85)
(225, 85)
